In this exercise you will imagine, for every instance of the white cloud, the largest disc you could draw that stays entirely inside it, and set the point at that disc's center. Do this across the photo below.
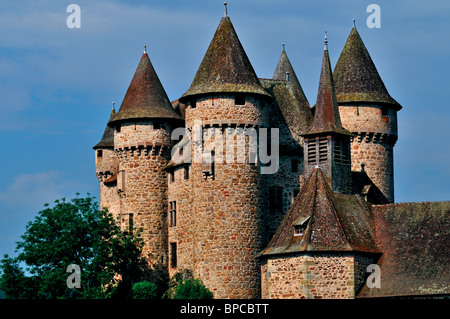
(31, 191)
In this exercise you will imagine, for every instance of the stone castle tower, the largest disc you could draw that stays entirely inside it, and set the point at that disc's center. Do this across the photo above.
(369, 112)
(200, 194)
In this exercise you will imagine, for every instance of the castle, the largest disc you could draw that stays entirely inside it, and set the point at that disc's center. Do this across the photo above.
(191, 174)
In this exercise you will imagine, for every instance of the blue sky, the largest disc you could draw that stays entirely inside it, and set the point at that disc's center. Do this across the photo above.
(57, 84)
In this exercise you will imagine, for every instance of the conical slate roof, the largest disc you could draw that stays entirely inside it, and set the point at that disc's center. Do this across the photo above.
(326, 115)
(225, 68)
(330, 221)
(146, 97)
(283, 66)
(107, 140)
(356, 77)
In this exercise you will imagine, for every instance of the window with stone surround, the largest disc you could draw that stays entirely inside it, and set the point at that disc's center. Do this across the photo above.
(173, 255)
(275, 200)
(172, 214)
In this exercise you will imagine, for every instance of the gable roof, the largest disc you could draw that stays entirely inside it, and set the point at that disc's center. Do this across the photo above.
(326, 114)
(146, 97)
(225, 68)
(337, 222)
(356, 77)
(107, 140)
(414, 239)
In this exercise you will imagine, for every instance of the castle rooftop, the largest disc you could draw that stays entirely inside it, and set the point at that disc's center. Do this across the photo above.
(329, 221)
(326, 115)
(107, 140)
(146, 97)
(356, 77)
(225, 68)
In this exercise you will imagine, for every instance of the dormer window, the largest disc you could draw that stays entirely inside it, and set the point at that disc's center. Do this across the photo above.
(300, 226)
(299, 230)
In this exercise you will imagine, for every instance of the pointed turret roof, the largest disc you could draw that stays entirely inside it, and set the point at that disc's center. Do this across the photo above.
(330, 221)
(326, 115)
(356, 77)
(225, 66)
(146, 97)
(107, 140)
(284, 65)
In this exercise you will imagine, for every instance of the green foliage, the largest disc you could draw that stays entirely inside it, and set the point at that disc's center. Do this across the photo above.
(183, 285)
(75, 232)
(192, 289)
(144, 290)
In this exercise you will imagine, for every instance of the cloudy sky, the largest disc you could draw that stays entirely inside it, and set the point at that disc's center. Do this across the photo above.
(57, 83)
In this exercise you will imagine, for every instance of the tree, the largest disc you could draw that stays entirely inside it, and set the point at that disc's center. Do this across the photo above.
(73, 232)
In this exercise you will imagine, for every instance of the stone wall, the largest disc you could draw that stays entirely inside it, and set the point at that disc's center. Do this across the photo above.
(182, 232)
(318, 276)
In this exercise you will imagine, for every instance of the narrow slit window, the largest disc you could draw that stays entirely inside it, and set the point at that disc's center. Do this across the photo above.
(173, 255)
(172, 214)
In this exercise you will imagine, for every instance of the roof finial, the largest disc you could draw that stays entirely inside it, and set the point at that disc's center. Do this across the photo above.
(354, 23)
(283, 46)
(226, 11)
(145, 49)
(114, 108)
(326, 41)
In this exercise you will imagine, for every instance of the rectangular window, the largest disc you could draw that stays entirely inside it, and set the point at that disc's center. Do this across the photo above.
(172, 214)
(384, 111)
(99, 153)
(239, 99)
(173, 255)
(193, 103)
(275, 200)
(341, 151)
(118, 128)
(121, 181)
(171, 176)
(156, 125)
(323, 149)
(294, 166)
(186, 172)
(312, 157)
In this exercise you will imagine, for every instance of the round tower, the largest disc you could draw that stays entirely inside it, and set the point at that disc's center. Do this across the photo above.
(369, 112)
(107, 165)
(226, 104)
(142, 142)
